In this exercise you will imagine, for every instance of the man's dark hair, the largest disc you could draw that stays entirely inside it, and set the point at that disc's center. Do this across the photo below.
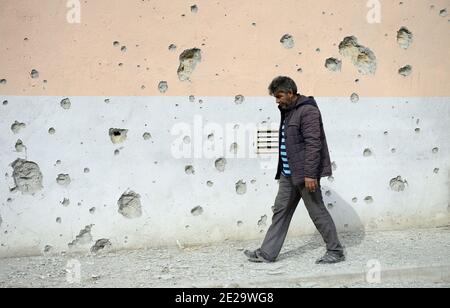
(282, 84)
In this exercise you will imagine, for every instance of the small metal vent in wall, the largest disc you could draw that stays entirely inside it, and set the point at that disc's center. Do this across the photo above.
(267, 141)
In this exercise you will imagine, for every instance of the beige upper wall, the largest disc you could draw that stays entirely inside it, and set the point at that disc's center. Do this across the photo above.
(79, 59)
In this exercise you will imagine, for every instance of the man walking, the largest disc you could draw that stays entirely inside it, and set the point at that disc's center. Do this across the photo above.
(303, 160)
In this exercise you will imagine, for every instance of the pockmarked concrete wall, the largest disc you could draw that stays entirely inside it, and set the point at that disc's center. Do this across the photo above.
(127, 125)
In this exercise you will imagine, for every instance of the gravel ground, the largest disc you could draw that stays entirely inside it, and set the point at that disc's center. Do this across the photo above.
(412, 258)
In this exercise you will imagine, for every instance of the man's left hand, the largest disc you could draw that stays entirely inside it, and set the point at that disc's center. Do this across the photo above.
(311, 184)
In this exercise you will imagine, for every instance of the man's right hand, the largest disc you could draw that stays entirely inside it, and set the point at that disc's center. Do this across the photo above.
(311, 184)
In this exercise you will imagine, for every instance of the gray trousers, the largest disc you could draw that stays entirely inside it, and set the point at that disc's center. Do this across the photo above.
(286, 202)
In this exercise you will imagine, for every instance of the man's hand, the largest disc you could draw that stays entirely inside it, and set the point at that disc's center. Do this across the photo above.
(311, 184)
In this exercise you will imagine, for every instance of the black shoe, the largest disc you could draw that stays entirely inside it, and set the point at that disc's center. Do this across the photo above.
(255, 256)
(250, 253)
(331, 257)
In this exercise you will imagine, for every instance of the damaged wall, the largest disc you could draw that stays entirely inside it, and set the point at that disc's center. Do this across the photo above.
(137, 126)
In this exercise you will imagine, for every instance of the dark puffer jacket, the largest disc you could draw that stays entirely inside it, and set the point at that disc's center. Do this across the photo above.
(306, 144)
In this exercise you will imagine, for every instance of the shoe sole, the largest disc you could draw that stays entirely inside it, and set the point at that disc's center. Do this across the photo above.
(333, 262)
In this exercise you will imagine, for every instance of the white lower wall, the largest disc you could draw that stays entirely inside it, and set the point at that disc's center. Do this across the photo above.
(168, 194)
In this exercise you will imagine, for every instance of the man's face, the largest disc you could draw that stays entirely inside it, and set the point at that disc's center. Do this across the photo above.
(284, 99)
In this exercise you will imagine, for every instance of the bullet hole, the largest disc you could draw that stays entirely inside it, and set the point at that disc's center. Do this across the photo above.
(263, 221)
(334, 166)
(48, 249)
(34, 74)
(362, 57)
(146, 136)
(197, 211)
(405, 71)
(236, 126)
(211, 137)
(239, 99)
(172, 47)
(63, 179)
(142, 87)
(368, 199)
(397, 184)
(234, 148)
(333, 64)
(404, 38)
(386, 133)
(393, 150)
(417, 130)
(435, 150)
(241, 187)
(92, 210)
(189, 169)
(354, 98)
(163, 87)
(58, 220)
(58, 162)
(328, 193)
(330, 179)
(123, 48)
(436, 170)
(102, 244)
(9, 200)
(194, 8)
(188, 62)
(5, 103)
(239, 223)
(107, 100)
(354, 200)
(116, 44)
(317, 49)
(443, 13)
(84, 237)
(253, 181)
(51, 131)
(16, 127)
(65, 103)
(330, 206)
(187, 139)
(191, 98)
(116, 152)
(3, 81)
(130, 205)
(27, 176)
(65, 202)
(367, 153)
(220, 164)
(209, 183)
(118, 135)
(359, 136)
(288, 41)
(19, 146)
(120, 64)
(300, 70)
(86, 170)
(200, 101)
